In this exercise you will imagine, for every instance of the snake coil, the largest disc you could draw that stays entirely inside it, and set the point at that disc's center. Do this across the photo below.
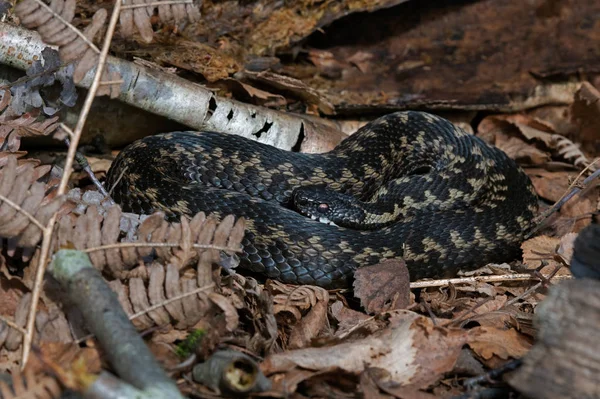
(421, 189)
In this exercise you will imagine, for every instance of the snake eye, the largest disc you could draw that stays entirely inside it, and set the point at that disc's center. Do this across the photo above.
(323, 208)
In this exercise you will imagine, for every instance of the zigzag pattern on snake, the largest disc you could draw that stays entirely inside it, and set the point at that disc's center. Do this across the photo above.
(454, 201)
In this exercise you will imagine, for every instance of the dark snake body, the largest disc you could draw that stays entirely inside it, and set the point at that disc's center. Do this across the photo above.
(459, 203)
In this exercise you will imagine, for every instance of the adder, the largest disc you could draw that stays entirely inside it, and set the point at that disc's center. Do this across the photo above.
(409, 184)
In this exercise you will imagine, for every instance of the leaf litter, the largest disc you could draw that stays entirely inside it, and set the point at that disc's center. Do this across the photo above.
(384, 339)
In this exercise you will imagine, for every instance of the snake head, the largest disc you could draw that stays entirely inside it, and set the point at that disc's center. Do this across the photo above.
(326, 206)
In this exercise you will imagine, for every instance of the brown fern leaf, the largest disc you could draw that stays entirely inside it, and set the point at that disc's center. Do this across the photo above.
(30, 386)
(180, 244)
(135, 15)
(163, 289)
(571, 152)
(11, 130)
(24, 206)
(53, 22)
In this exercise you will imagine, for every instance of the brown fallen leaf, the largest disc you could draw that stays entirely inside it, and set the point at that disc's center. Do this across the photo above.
(309, 326)
(481, 309)
(495, 345)
(505, 134)
(585, 112)
(347, 318)
(411, 349)
(538, 249)
(382, 287)
(231, 315)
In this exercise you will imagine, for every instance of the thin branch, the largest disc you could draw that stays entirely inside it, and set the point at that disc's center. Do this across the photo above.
(572, 190)
(156, 4)
(66, 129)
(111, 82)
(534, 288)
(12, 324)
(480, 279)
(24, 212)
(157, 245)
(47, 237)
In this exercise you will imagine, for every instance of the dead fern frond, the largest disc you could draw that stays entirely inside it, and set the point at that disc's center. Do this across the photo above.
(571, 152)
(137, 14)
(163, 297)
(53, 22)
(180, 244)
(11, 130)
(30, 386)
(24, 206)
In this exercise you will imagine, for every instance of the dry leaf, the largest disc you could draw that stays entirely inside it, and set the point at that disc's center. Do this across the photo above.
(347, 318)
(309, 326)
(232, 318)
(489, 343)
(585, 112)
(426, 352)
(538, 249)
(383, 287)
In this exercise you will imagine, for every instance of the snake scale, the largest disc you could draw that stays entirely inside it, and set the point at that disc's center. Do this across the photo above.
(417, 187)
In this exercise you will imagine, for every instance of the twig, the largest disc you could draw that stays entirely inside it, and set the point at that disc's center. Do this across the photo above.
(47, 236)
(12, 324)
(534, 288)
(157, 245)
(477, 279)
(566, 197)
(180, 100)
(85, 165)
(66, 130)
(493, 374)
(156, 4)
(23, 211)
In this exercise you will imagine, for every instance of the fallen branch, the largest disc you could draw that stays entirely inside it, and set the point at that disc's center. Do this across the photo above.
(125, 350)
(181, 100)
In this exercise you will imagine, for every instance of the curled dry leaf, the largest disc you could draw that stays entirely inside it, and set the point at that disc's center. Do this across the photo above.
(347, 318)
(426, 352)
(306, 304)
(73, 45)
(383, 287)
(232, 319)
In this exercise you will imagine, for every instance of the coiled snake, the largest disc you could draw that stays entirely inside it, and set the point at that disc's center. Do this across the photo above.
(410, 184)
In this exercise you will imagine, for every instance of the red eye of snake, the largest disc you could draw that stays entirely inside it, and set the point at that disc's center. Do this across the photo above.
(323, 208)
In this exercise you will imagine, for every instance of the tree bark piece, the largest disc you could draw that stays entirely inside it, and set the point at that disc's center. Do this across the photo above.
(564, 362)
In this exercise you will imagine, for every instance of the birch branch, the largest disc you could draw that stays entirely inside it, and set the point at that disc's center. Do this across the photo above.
(183, 101)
